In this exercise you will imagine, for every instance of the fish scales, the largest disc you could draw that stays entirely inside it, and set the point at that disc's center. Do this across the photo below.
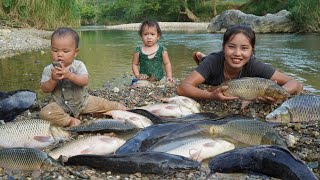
(297, 109)
(250, 132)
(34, 133)
(25, 159)
(251, 88)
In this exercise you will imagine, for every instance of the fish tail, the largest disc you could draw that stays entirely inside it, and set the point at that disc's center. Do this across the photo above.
(209, 175)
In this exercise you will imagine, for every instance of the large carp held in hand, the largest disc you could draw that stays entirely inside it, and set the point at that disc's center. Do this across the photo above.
(300, 108)
(250, 88)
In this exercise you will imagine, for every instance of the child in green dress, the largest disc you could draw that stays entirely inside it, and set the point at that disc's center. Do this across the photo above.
(150, 58)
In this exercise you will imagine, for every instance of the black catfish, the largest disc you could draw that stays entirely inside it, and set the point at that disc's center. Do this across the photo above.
(189, 118)
(143, 162)
(147, 137)
(105, 126)
(14, 103)
(272, 161)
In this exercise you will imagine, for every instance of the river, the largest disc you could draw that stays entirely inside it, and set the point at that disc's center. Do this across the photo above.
(108, 54)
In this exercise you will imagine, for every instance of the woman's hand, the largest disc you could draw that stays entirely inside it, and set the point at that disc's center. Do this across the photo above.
(217, 94)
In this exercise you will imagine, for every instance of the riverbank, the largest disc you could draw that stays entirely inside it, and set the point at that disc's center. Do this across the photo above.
(16, 41)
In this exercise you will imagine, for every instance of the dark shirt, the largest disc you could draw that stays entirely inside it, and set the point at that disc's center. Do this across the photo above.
(211, 69)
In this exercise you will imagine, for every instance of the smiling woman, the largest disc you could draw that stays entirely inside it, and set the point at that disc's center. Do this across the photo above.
(235, 61)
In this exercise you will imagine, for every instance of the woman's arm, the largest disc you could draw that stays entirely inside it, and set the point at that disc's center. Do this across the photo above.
(291, 85)
(189, 88)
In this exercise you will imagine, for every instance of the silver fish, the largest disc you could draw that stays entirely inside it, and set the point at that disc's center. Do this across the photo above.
(99, 145)
(33, 133)
(251, 88)
(185, 101)
(136, 119)
(297, 109)
(26, 159)
(169, 110)
(201, 148)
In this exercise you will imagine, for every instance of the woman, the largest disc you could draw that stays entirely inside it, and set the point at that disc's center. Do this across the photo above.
(236, 60)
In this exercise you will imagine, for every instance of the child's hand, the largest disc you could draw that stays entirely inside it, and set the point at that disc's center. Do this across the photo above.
(170, 79)
(61, 72)
(142, 77)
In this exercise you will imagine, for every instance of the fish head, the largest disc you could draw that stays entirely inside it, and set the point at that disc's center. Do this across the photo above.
(272, 138)
(59, 133)
(277, 92)
(49, 163)
(280, 115)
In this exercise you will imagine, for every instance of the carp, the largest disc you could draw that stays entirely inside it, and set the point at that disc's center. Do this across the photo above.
(26, 159)
(251, 132)
(143, 162)
(104, 126)
(272, 161)
(297, 109)
(98, 144)
(33, 133)
(169, 110)
(250, 88)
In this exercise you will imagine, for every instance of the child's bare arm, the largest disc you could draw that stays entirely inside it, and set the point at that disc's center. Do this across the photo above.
(135, 65)
(167, 66)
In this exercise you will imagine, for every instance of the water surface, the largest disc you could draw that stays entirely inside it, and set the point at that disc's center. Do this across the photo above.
(108, 54)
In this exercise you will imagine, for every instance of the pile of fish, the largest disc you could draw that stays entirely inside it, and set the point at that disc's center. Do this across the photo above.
(164, 138)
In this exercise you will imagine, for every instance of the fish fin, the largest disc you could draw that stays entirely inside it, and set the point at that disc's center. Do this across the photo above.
(42, 138)
(244, 104)
(195, 154)
(36, 174)
(170, 107)
(164, 100)
(86, 151)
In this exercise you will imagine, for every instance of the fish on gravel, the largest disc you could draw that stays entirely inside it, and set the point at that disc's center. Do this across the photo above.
(143, 162)
(105, 126)
(98, 144)
(185, 101)
(188, 118)
(251, 132)
(14, 103)
(26, 159)
(198, 148)
(249, 88)
(32, 133)
(136, 119)
(301, 108)
(147, 137)
(169, 110)
(272, 161)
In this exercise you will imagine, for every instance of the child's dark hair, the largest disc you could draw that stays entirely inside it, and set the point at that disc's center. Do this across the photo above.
(62, 32)
(149, 23)
(234, 30)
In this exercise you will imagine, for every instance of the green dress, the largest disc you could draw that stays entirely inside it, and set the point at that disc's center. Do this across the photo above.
(152, 67)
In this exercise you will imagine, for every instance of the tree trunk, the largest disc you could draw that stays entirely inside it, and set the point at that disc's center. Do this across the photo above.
(214, 7)
(189, 13)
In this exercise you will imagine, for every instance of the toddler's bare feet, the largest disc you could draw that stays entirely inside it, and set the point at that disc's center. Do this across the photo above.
(74, 122)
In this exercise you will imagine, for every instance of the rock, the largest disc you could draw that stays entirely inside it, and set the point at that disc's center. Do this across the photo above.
(270, 23)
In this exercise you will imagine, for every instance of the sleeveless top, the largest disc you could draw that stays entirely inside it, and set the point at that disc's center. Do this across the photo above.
(152, 67)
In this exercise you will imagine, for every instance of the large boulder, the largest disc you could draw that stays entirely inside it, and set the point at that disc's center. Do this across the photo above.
(270, 23)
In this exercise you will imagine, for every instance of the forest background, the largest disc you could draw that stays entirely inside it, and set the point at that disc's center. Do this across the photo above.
(50, 14)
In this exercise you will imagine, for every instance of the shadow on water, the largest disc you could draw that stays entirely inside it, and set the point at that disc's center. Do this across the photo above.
(108, 54)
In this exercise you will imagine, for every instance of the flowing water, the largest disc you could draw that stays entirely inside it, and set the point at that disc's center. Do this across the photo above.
(108, 54)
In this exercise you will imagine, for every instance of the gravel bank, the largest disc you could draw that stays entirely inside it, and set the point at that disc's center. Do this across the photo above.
(16, 41)
(306, 147)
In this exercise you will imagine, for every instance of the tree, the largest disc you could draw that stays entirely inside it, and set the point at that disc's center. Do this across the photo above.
(214, 7)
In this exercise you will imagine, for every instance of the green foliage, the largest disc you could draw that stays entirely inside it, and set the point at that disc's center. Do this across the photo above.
(48, 14)
(262, 7)
(305, 14)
